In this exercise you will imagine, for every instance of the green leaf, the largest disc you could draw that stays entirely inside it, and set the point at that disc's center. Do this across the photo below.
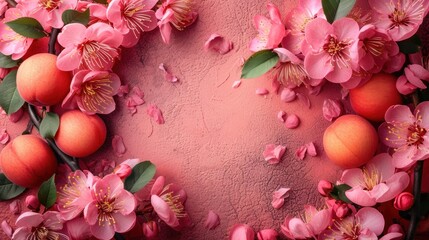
(27, 27)
(47, 194)
(7, 62)
(338, 192)
(259, 63)
(49, 125)
(410, 45)
(10, 100)
(73, 16)
(9, 190)
(141, 174)
(336, 9)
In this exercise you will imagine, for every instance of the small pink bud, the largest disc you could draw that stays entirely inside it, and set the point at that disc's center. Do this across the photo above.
(395, 228)
(15, 207)
(241, 232)
(32, 203)
(150, 229)
(267, 234)
(404, 201)
(341, 210)
(324, 187)
(122, 170)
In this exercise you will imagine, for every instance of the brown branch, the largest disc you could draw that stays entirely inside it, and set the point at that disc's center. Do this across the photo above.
(11, 3)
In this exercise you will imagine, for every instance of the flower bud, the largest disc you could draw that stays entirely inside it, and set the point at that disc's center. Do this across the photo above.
(241, 232)
(150, 229)
(341, 210)
(267, 234)
(324, 187)
(395, 228)
(32, 203)
(122, 170)
(404, 201)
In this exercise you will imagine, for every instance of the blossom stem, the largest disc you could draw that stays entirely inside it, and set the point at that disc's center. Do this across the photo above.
(35, 118)
(53, 40)
(12, 3)
(415, 211)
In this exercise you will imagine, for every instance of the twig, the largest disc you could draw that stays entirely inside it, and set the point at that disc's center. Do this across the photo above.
(415, 211)
(12, 3)
(53, 40)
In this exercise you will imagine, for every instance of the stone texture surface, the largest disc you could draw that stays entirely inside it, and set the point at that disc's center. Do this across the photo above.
(214, 135)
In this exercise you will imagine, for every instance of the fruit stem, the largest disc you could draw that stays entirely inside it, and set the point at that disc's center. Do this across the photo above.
(35, 118)
(12, 3)
(53, 40)
(415, 211)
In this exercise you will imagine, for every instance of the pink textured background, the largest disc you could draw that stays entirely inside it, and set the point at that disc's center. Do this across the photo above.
(213, 138)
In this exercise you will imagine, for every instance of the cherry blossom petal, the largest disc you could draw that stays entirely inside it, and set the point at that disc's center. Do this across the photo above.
(241, 232)
(29, 219)
(267, 234)
(422, 111)
(102, 231)
(167, 75)
(331, 109)
(7, 229)
(287, 95)
(318, 65)
(320, 221)
(236, 84)
(124, 222)
(118, 146)
(292, 121)
(218, 44)
(299, 228)
(212, 220)
(262, 91)
(281, 116)
(4, 137)
(273, 154)
(279, 197)
(371, 219)
(155, 113)
(305, 99)
(361, 197)
(311, 149)
(15, 206)
(301, 152)
(396, 184)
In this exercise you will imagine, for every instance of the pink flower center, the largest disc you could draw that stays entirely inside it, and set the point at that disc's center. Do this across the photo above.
(97, 94)
(371, 177)
(182, 13)
(71, 191)
(173, 202)
(374, 45)
(42, 233)
(96, 56)
(415, 135)
(106, 206)
(347, 228)
(134, 16)
(289, 74)
(49, 5)
(398, 17)
(336, 49)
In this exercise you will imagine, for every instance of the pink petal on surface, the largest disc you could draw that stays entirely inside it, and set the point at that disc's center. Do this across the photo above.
(267, 234)
(218, 44)
(273, 154)
(123, 90)
(7, 229)
(372, 219)
(118, 146)
(155, 113)
(331, 109)
(236, 84)
(241, 232)
(212, 221)
(305, 99)
(262, 91)
(167, 75)
(279, 197)
(311, 149)
(281, 116)
(292, 121)
(287, 95)
(15, 207)
(4, 137)
(135, 98)
(301, 152)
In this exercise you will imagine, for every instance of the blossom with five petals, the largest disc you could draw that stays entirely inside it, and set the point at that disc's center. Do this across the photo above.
(407, 133)
(131, 18)
(112, 208)
(33, 225)
(50, 10)
(376, 182)
(95, 48)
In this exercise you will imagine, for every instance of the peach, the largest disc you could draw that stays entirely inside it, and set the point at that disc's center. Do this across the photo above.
(79, 134)
(40, 82)
(372, 99)
(28, 161)
(350, 141)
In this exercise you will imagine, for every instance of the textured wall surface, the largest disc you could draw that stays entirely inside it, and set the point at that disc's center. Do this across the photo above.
(214, 136)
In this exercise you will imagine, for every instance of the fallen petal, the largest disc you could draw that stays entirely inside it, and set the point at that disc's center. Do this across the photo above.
(7, 229)
(305, 99)
(15, 207)
(292, 121)
(331, 109)
(118, 146)
(236, 84)
(311, 149)
(155, 113)
(241, 232)
(262, 91)
(4, 137)
(218, 44)
(301, 152)
(273, 154)
(281, 116)
(267, 234)
(287, 95)
(123, 90)
(167, 75)
(212, 221)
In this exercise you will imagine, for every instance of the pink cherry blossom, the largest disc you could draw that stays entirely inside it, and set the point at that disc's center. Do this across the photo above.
(270, 31)
(32, 225)
(179, 13)
(407, 133)
(297, 20)
(414, 75)
(97, 11)
(400, 18)
(75, 194)
(112, 208)
(131, 18)
(267, 234)
(279, 197)
(219, 44)
(367, 223)
(313, 222)
(241, 232)
(51, 10)
(94, 48)
(92, 92)
(273, 154)
(289, 71)
(168, 203)
(333, 53)
(376, 182)
(212, 220)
